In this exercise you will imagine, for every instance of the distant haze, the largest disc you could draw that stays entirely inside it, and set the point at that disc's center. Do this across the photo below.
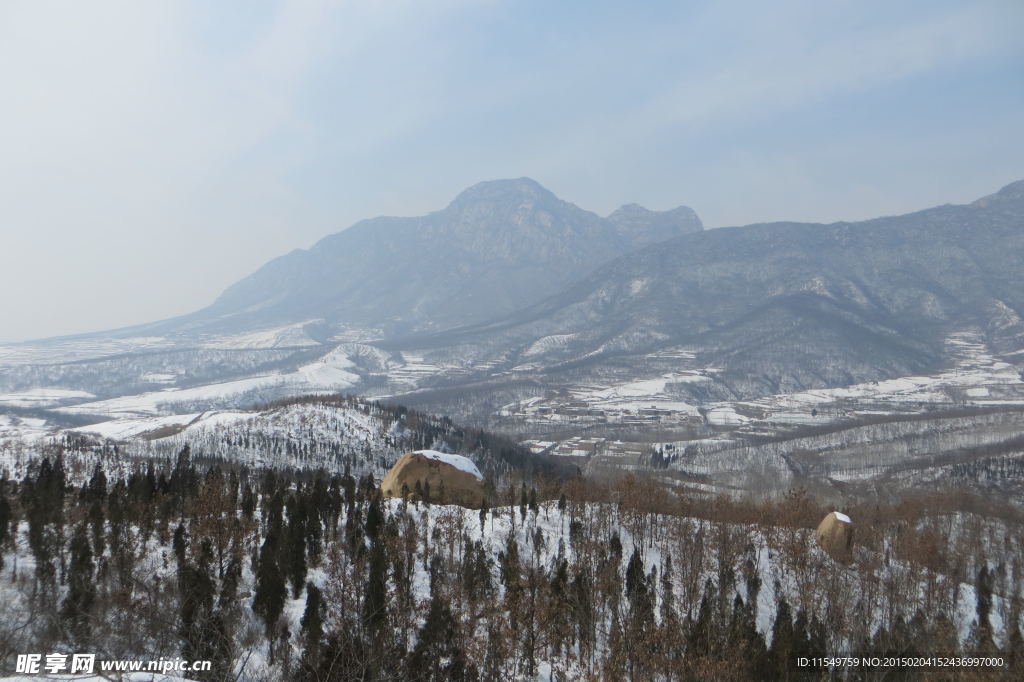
(153, 153)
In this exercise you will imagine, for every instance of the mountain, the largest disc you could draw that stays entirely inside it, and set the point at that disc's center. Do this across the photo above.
(640, 226)
(783, 307)
(497, 247)
(510, 294)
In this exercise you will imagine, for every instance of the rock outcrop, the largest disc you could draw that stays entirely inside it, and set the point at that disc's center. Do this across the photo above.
(435, 477)
(835, 536)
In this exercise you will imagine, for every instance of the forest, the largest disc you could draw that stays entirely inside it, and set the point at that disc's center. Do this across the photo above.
(302, 574)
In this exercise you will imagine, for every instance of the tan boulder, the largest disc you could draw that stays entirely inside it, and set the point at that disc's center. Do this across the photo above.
(443, 478)
(835, 536)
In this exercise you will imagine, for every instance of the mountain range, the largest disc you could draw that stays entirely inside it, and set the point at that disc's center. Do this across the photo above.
(783, 307)
(497, 247)
(509, 292)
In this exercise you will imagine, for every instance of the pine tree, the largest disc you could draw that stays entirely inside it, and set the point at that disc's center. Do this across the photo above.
(781, 651)
(297, 567)
(271, 592)
(746, 647)
(5, 519)
(701, 639)
(374, 518)
(583, 610)
(312, 626)
(97, 495)
(197, 598)
(180, 543)
(229, 585)
(983, 607)
(615, 545)
(81, 597)
(634, 576)
(670, 627)
(375, 602)
(435, 642)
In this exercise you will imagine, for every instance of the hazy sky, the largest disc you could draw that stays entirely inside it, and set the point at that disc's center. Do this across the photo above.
(151, 153)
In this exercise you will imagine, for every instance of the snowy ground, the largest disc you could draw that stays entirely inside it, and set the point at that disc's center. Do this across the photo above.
(42, 397)
(329, 374)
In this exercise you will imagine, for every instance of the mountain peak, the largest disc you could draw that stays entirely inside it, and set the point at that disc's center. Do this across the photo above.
(499, 191)
(629, 210)
(636, 222)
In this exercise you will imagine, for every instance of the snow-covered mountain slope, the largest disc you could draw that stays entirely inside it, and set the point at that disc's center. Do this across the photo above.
(542, 574)
(782, 307)
(328, 374)
(332, 433)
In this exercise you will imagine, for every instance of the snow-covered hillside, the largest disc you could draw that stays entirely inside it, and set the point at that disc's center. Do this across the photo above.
(543, 590)
(332, 433)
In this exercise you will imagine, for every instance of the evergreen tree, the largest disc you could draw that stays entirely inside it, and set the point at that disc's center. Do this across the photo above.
(701, 639)
(296, 558)
(436, 656)
(781, 651)
(983, 607)
(746, 647)
(271, 592)
(5, 519)
(97, 495)
(180, 543)
(198, 629)
(375, 602)
(634, 576)
(77, 608)
(312, 626)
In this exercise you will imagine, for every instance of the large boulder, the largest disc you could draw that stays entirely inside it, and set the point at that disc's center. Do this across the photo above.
(441, 478)
(835, 536)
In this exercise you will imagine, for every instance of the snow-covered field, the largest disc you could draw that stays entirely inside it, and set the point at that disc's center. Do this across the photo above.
(42, 397)
(290, 336)
(329, 374)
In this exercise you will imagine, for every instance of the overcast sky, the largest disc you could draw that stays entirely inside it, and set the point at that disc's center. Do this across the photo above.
(151, 153)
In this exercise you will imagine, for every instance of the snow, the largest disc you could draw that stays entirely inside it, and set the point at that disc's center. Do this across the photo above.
(637, 286)
(548, 343)
(42, 397)
(725, 415)
(458, 461)
(130, 427)
(412, 370)
(26, 429)
(119, 429)
(329, 370)
(329, 373)
(77, 349)
(159, 377)
(842, 517)
(293, 335)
